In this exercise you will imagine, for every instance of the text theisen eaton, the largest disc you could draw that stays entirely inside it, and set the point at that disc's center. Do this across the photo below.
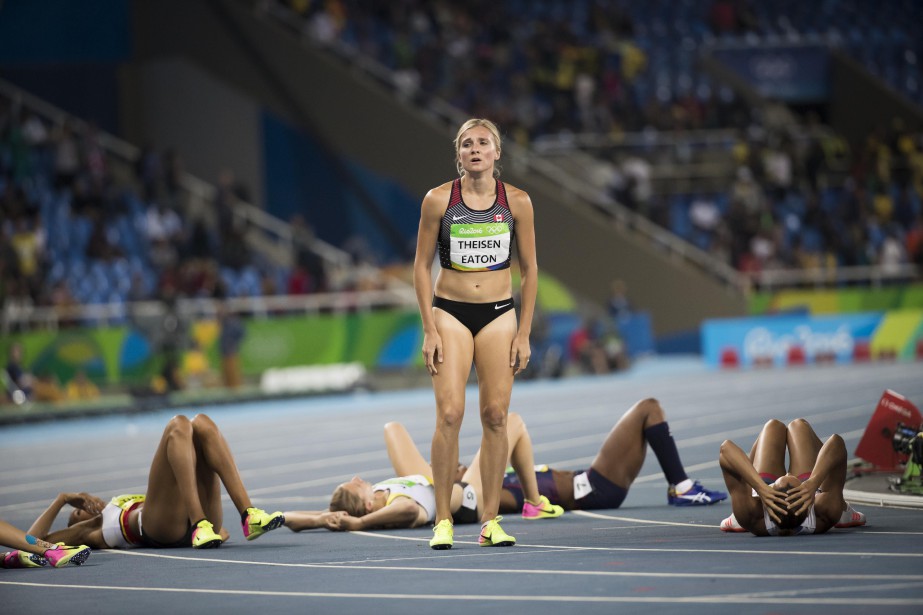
(478, 244)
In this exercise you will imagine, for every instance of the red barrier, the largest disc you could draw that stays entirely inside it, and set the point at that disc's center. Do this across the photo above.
(861, 351)
(796, 356)
(729, 358)
(875, 445)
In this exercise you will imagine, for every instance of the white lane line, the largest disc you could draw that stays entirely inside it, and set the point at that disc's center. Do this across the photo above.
(667, 550)
(366, 565)
(487, 598)
(595, 515)
(818, 590)
(586, 513)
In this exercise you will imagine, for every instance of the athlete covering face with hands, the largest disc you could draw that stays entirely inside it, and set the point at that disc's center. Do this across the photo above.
(806, 498)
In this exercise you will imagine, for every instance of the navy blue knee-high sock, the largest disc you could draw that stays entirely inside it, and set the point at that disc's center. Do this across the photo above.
(658, 436)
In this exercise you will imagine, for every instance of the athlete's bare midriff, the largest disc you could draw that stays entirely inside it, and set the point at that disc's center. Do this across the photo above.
(474, 286)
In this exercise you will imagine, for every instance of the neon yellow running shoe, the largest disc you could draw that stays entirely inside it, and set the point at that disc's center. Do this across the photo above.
(62, 555)
(443, 535)
(543, 510)
(492, 535)
(204, 536)
(257, 522)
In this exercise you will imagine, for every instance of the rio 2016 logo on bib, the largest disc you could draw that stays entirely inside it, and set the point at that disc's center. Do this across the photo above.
(479, 247)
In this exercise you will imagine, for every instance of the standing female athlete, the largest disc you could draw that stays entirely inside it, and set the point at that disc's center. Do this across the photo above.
(469, 317)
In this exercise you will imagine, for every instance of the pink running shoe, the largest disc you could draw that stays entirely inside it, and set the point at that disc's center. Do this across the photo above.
(543, 510)
(21, 559)
(62, 555)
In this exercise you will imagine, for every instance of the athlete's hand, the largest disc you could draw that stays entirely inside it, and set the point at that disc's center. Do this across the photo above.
(520, 349)
(333, 520)
(774, 502)
(801, 498)
(432, 351)
(85, 501)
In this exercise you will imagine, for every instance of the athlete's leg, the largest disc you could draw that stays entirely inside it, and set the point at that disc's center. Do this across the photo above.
(32, 552)
(495, 384)
(13, 537)
(405, 457)
(622, 453)
(521, 456)
(768, 452)
(172, 499)
(215, 461)
(449, 388)
(803, 446)
(803, 449)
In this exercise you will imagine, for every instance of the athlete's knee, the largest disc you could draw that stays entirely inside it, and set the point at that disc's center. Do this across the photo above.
(648, 411)
(799, 424)
(494, 417)
(724, 449)
(652, 410)
(774, 425)
(393, 428)
(450, 417)
(179, 427)
(514, 421)
(203, 424)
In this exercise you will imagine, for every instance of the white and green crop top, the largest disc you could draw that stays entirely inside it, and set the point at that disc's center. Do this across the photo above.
(416, 487)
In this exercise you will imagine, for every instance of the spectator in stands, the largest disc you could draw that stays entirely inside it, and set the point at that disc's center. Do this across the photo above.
(196, 369)
(229, 340)
(93, 156)
(66, 156)
(618, 304)
(891, 255)
(705, 217)
(18, 382)
(914, 241)
(99, 247)
(173, 178)
(47, 388)
(28, 243)
(81, 388)
(299, 282)
(307, 258)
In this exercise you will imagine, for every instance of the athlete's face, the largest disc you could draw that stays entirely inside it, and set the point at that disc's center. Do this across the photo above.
(477, 150)
(361, 488)
(77, 515)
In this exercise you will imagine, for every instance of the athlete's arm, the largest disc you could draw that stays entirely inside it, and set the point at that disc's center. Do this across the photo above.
(523, 214)
(89, 533)
(740, 477)
(403, 512)
(81, 501)
(298, 520)
(431, 212)
(828, 475)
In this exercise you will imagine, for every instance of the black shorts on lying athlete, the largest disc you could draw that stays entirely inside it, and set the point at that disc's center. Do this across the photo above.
(595, 491)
